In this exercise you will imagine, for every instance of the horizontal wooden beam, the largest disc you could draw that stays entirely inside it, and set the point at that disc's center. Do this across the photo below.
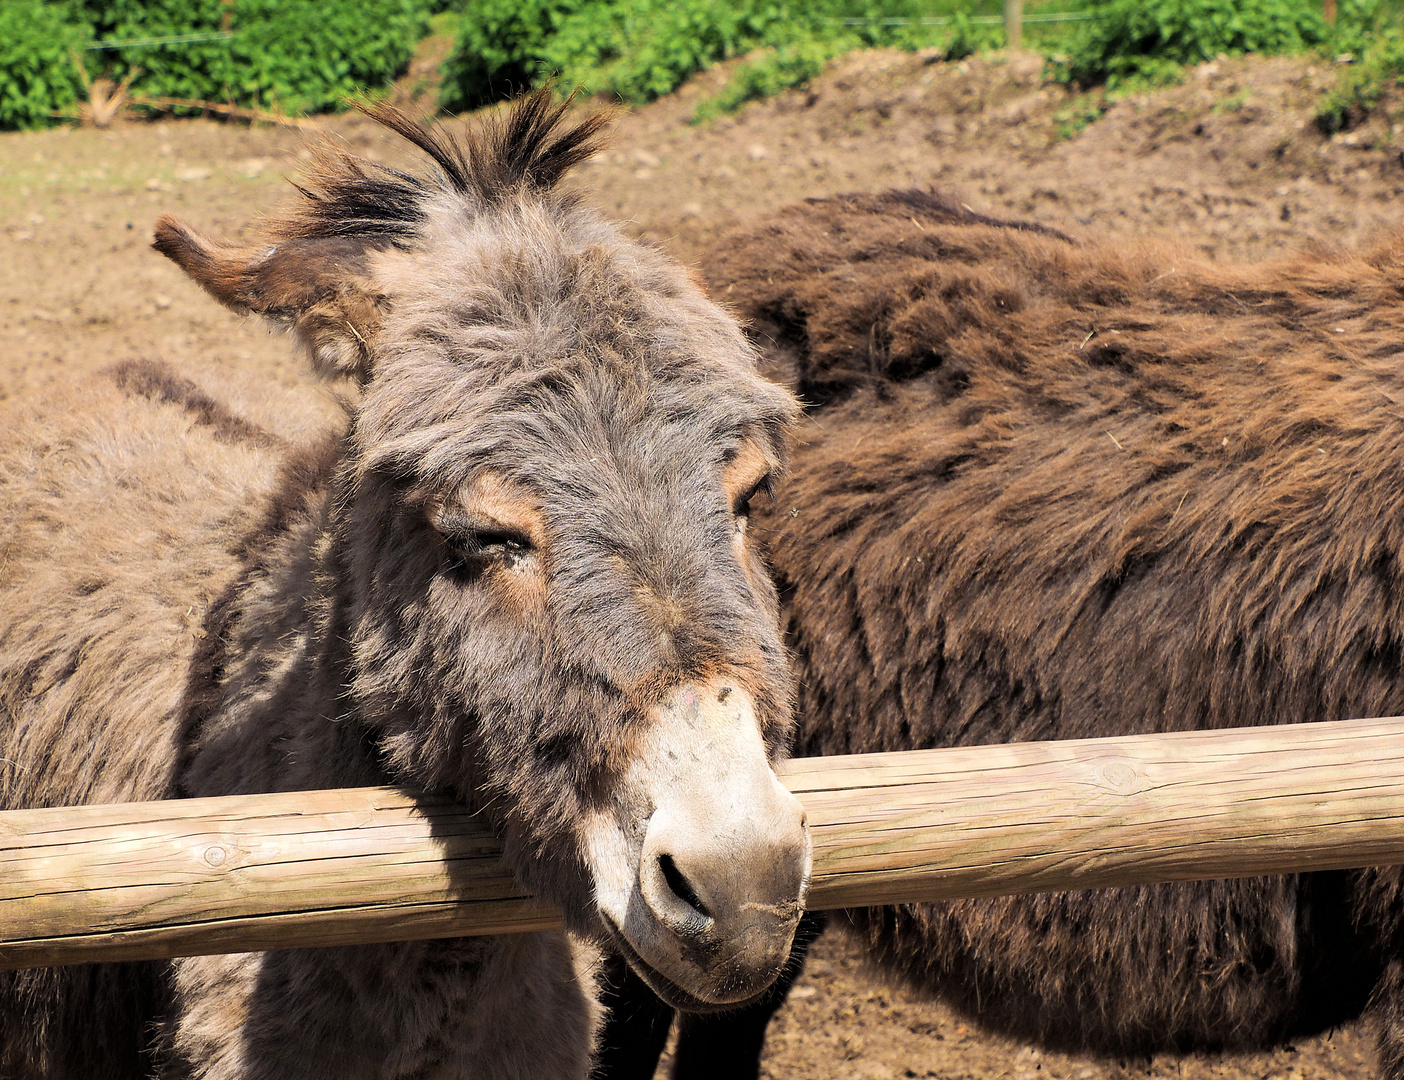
(146, 880)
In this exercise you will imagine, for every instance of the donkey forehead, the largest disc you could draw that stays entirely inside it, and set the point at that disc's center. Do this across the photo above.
(534, 276)
(531, 265)
(556, 351)
(571, 431)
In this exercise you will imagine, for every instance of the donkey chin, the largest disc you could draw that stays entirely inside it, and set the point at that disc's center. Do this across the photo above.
(702, 864)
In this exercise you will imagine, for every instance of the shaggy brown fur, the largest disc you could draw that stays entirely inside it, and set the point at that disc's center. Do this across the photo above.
(493, 583)
(122, 516)
(1060, 489)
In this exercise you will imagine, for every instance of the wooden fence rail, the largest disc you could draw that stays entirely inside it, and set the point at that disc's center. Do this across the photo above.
(375, 864)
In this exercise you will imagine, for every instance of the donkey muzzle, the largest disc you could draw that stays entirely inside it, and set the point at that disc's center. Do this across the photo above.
(720, 873)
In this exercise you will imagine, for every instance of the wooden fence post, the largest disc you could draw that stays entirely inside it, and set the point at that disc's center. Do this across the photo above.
(1014, 23)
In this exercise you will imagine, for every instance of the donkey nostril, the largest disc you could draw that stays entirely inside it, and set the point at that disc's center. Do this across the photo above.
(681, 887)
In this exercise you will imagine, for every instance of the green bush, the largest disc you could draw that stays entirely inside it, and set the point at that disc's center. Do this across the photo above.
(297, 55)
(498, 48)
(635, 49)
(1371, 35)
(769, 74)
(300, 55)
(1148, 39)
(642, 50)
(639, 50)
(190, 69)
(310, 55)
(967, 38)
(37, 74)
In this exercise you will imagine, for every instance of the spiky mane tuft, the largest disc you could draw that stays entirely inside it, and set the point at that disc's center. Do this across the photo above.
(529, 148)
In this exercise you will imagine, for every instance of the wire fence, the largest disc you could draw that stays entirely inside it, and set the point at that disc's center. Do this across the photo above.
(934, 20)
(978, 20)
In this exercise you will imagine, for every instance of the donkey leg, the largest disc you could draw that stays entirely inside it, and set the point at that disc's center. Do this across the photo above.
(1388, 1010)
(636, 1025)
(727, 1046)
(721, 1046)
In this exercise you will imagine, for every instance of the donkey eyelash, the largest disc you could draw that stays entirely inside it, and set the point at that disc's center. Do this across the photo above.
(487, 543)
(742, 506)
(481, 542)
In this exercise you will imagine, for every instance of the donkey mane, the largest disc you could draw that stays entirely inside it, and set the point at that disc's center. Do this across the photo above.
(526, 149)
(312, 268)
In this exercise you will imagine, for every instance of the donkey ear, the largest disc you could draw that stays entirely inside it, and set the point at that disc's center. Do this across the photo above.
(320, 286)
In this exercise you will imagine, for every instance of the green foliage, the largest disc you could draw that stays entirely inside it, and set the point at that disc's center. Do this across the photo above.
(1079, 112)
(968, 38)
(310, 55)
(301, 55)
(641, 50)
(297, 55)
(638, 50)
(1360, 86)
(1149, 40)
(191, 70)
(770, 73)
(37, 75)
(635, 49)
(499, 48)
(1371, 35)
(781, 67)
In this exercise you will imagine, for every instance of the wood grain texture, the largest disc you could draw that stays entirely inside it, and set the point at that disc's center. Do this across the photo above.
(79, 884)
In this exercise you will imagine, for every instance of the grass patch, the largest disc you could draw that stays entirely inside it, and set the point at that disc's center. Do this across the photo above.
(1231, 104)
(766, 75)
(778, 69)
(1087, 108)
(1079, 112)
(1371, 36)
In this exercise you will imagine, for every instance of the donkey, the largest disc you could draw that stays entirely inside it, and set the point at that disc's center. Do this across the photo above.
(522, 576)
(1058, 489)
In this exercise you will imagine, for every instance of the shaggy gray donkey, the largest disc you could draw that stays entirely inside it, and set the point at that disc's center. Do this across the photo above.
(520, 576)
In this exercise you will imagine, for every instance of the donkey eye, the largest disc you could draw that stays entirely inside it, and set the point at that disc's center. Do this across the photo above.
(475, 543)
(485, 544)
(742, 507)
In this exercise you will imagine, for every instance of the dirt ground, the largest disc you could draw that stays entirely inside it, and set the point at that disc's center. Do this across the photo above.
(1229, 161)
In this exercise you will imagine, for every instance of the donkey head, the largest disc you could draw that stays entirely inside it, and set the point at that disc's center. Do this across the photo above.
(538, 545)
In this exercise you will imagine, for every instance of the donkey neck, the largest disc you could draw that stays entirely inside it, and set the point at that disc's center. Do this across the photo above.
(266, 705)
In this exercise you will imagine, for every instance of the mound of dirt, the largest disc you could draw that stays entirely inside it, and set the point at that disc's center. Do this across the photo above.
(1229, 161)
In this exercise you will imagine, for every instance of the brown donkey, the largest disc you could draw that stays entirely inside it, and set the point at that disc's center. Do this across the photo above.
(522, 576)
(1058, 489)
